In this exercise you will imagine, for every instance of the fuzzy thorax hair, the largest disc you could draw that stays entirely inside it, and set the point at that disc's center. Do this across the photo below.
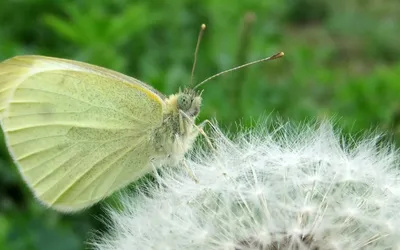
(173, 104)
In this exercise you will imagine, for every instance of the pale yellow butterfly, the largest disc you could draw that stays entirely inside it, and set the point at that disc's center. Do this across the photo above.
(79, 132)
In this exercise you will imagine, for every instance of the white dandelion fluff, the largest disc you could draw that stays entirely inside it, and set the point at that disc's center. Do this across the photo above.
(292, 189)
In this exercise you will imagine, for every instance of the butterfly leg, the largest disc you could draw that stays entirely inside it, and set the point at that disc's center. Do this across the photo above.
(190, 172)
(199, 129)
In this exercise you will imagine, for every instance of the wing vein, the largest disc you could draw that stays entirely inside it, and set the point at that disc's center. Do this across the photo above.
(89, 170)
(30, 140)
(124, 154)
(56, 168)
(54, 156)
(73, 98)
(64, 124)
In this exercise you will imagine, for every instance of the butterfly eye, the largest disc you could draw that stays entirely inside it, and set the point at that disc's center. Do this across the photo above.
(184, 102)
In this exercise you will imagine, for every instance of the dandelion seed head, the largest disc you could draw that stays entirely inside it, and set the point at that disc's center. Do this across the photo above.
(289, 189)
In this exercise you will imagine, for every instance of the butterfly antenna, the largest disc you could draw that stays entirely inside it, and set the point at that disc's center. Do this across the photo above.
(276, 56)
(202, 28)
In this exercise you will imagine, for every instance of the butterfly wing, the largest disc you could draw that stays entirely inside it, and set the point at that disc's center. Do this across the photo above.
(77, 132)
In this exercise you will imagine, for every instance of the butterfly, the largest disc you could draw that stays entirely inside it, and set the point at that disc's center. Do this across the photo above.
(79, 132)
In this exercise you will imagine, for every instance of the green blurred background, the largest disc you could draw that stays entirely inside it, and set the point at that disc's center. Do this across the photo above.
(342, 60)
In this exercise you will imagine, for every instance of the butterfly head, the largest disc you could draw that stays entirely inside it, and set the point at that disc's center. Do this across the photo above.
(189, 101)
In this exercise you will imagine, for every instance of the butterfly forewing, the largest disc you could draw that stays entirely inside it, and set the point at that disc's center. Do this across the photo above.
(77, 133)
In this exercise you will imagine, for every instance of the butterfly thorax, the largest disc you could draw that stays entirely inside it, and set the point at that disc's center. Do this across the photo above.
(178, 131)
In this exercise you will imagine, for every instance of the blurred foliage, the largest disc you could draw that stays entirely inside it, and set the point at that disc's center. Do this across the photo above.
(341, 60)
